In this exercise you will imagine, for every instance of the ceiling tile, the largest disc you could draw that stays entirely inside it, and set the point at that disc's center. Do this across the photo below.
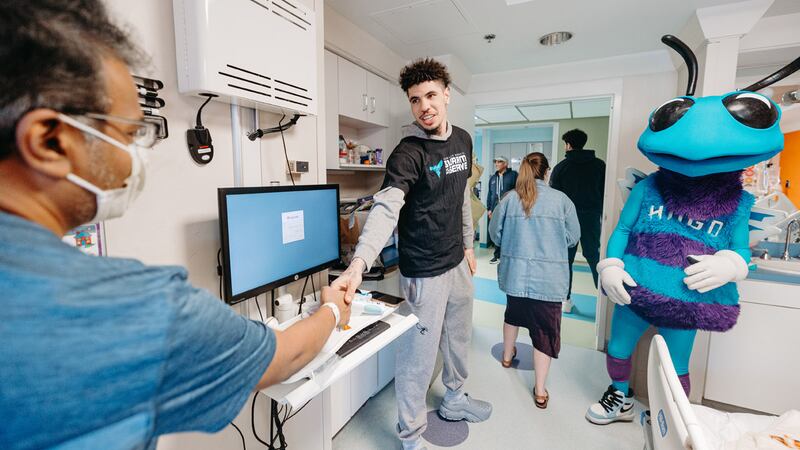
(415, 30)
(781, 7)
(424, 21)
(599, 107)
(498, 115)
(552, 111)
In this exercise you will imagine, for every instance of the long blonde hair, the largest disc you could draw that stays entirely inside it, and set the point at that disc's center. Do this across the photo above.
(534, 166)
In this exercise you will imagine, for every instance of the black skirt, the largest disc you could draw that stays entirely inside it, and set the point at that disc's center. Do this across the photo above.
(541, 318)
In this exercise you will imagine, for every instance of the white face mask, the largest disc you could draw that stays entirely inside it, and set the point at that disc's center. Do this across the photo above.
(114, 202)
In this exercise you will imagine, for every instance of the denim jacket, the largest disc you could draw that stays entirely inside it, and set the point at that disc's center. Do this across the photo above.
(533, 262)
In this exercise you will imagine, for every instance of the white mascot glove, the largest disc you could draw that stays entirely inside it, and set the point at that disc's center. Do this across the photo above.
(613, 279)
(715, 270)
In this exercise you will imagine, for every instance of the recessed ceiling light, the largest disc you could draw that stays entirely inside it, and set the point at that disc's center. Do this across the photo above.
(558, 37)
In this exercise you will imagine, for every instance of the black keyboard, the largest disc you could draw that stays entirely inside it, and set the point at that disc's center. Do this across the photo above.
(362, 337)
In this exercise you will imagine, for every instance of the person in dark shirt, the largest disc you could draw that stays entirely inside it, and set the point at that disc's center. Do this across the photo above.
(425, 195)
(502, 181)
(582, 176)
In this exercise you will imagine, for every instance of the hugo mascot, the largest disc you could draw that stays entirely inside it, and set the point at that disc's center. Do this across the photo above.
(682, 238)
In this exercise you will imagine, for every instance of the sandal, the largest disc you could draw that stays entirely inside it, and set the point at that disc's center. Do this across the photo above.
(541, 400)
(507, 363)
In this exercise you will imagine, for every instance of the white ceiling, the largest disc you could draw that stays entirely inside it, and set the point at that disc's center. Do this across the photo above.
(575, 109)
(783, 7)
(415, 28)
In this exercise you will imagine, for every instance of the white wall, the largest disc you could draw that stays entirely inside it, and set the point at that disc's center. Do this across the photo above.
(461, 111)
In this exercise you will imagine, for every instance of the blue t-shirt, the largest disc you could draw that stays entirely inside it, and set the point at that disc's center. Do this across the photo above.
(109, 353)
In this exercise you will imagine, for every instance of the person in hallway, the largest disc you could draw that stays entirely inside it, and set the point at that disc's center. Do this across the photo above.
(478, 210)
(425, 194)
(582, 176)
(534, 224)
(502, 180)
(103, 352)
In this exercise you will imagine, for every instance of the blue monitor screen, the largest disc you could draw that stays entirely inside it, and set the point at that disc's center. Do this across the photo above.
(274, 235)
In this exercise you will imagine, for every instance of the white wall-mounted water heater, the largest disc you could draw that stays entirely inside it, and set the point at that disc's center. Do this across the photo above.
(255, 53)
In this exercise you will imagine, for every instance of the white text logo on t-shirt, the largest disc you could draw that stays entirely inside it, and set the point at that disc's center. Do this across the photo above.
(452, 164)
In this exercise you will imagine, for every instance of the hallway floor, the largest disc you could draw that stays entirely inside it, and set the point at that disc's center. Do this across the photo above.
(577, 379)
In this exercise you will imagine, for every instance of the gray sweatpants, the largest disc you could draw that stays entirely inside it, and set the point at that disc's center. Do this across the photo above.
(443, 305)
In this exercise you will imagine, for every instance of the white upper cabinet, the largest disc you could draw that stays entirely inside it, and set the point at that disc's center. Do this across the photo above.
(379, 107)
(353, 97)
(363, 95)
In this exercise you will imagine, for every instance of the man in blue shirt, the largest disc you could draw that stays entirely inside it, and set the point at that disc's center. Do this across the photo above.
(104, 352)
(502, 181)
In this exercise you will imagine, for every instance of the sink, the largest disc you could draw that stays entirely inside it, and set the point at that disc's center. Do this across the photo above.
(791, 267)
(775, 249)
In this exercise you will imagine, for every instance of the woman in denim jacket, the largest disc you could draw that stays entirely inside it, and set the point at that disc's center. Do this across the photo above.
(534, 225)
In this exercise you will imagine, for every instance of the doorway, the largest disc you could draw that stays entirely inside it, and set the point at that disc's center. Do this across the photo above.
(513, 131)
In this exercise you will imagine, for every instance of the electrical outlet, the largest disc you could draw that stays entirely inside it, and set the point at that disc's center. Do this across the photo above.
(298, 166)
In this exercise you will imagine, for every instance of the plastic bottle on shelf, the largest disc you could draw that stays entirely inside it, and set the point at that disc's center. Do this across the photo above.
(352, 155)
(342, 150)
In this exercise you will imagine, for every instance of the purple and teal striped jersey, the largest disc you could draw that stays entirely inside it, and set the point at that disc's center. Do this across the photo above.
(658, 230)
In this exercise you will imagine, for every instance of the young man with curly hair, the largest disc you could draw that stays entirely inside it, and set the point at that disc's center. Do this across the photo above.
(425, 195)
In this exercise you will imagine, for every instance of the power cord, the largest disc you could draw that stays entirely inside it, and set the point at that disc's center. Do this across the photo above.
(244, 445)
(285, 153)
(280, 415)
(253, 422)
(219, 271)
(259, 133)
(302, 297)
(314, 288)
(259, 308)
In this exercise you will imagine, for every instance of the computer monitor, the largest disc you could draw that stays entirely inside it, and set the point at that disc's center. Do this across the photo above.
(272, 236)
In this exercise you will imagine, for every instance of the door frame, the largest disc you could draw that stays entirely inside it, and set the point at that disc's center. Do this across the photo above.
(554, 139)
(608, 88)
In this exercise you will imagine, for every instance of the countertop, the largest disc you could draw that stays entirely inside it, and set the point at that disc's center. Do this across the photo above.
(761, 275)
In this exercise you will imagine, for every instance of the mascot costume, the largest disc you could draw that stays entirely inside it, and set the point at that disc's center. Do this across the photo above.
(682, 237)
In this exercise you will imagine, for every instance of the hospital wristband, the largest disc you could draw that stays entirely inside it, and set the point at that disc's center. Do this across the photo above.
(336, 313)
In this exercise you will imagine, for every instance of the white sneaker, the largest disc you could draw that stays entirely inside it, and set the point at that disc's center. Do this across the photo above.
(566, 306)
(613, 407)
(414, 444)
(465, 408)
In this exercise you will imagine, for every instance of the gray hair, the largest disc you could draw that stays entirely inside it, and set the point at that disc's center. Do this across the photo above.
(51, 54)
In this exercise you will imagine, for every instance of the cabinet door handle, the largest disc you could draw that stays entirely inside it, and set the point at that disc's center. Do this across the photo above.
(365, 102)
(372, 100)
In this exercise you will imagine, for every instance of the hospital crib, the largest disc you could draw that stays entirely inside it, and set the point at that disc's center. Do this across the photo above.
(674, 424)
(671, 423)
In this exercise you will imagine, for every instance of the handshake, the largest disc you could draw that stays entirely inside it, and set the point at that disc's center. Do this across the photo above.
(342, 291)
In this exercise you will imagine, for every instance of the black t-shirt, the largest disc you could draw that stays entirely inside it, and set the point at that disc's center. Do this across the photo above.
(433, 175)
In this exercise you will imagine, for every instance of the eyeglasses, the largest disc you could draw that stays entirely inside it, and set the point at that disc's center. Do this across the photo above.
(144, 135)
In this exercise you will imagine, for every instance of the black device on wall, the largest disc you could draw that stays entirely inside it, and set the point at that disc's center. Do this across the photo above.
(198, 138)
(151, 104)
(274, 235)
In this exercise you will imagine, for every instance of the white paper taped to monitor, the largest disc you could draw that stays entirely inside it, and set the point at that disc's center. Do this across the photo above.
(365, 312)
